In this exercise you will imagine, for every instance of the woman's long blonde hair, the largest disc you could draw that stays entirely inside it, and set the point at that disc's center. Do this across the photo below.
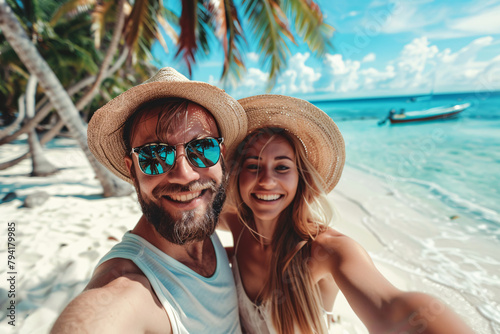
(294, 298)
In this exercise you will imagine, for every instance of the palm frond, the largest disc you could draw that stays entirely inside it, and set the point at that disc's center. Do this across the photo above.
(234, 40)
(270, 28)
(136, 26)
(101, 15)
(72, 8)
(310, 25)
(149, 33)
(163, 18)
(188, 22)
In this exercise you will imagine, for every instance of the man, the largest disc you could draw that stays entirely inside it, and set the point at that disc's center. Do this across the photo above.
(170, 274)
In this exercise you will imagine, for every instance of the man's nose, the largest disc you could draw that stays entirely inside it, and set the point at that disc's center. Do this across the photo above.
(182, 172)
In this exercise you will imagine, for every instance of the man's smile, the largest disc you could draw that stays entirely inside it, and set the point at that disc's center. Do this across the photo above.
(185, 197)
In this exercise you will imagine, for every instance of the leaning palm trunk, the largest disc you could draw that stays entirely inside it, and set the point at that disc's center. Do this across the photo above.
(21, 113)
(31, 58)
(41, 165)
(46, 107)
(45, 139)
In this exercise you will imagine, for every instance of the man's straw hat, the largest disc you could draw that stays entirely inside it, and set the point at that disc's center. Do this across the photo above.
(318, 133)
(105, 129)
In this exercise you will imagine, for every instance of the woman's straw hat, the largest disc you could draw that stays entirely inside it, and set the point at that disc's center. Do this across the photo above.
(105, 129)
(318, 133)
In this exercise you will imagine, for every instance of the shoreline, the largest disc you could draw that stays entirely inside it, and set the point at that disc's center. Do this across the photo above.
(358, 198)
(60, 242)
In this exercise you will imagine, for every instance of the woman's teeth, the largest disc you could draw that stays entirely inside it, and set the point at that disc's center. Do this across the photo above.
(267, 197)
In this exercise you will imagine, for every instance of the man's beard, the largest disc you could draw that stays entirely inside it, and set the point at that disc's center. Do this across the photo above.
(191, 226)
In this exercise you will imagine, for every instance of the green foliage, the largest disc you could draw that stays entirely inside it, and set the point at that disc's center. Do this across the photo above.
(270, 28)
(310, 25)
(233, 41)
(72, 36)
(65, 45)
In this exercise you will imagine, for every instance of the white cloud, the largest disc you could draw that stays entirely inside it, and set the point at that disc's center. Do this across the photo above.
(352, 13)
(254, 82)
(213, 81)
(341, 76)
(434, 19)
(298, 78)
(485, 22)
(419, 68)
(409, 16)
(373, 78)
(462, 69)
(412, 63)
(489, 78)
(369, 58)
(252, 56)
(338, 66)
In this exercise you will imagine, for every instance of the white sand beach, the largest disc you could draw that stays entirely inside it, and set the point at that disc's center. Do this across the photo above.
(58, 243)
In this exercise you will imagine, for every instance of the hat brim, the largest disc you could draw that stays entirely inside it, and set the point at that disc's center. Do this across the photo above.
(105, 132)
(322, 140)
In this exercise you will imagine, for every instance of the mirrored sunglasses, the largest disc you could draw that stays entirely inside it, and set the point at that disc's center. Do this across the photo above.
(158, 158)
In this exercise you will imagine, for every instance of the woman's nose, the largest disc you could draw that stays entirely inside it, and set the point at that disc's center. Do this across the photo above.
(265, 178)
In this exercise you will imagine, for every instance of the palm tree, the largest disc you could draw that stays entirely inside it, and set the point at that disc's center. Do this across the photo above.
(35, 23)
(142, 26)
(32, 59)
(41, 166)
(269, 22)
(201, 19)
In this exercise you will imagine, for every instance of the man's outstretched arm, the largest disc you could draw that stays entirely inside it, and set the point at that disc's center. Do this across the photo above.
(125, 305)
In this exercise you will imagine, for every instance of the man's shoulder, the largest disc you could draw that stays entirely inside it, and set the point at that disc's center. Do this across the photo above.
(117, 293)
(114, 269)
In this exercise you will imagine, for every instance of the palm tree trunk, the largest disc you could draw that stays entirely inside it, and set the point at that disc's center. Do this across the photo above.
(32, 59)
(47, 107)
(45, 139)
(21, 113)
(41, 165)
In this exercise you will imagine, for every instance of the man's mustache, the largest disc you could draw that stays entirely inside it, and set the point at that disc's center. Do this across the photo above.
(197, 185)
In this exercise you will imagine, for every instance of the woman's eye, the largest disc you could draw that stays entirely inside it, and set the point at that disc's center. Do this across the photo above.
(282, 168)
(252, 167)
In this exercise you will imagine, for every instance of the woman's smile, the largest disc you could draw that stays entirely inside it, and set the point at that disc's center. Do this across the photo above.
(267, 197)
(269, 177)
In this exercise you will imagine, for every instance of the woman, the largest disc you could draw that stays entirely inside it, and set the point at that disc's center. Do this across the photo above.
(288, 264)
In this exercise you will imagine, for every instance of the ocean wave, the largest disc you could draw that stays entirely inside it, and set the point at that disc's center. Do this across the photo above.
(447, 197)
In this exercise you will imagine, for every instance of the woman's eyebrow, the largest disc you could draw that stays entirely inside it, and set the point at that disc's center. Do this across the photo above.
(282, 157)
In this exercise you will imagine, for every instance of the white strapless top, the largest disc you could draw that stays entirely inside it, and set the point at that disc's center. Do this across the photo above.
(254, 319)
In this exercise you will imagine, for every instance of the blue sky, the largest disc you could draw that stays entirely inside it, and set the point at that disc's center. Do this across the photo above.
(381, 48)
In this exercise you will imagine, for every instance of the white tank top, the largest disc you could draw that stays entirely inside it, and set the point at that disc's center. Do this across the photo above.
(194, 303)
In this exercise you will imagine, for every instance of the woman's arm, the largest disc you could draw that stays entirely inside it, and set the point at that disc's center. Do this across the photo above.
(381, 307)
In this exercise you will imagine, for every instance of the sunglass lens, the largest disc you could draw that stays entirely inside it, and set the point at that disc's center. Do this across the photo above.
(203, 152)
(166, 154)
(156, 159)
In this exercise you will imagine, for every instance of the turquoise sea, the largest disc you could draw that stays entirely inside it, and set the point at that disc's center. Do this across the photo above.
(449, 172)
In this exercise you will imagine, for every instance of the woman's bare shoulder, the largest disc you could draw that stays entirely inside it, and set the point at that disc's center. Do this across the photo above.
(333, 239)
(335, 245)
